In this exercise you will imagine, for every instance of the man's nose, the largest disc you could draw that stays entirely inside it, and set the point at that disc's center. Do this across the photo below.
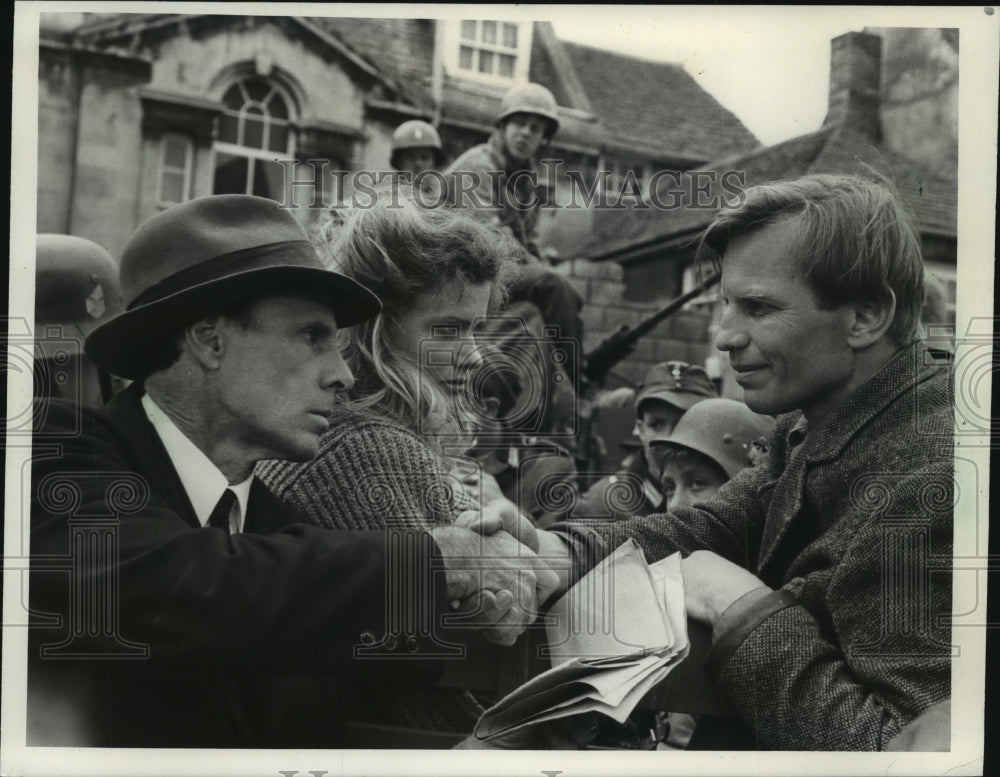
(731, 336)
(338, 375)
(679, 498)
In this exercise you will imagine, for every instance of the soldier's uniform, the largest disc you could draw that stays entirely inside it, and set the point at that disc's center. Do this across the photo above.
(489, 184)
(635, 489)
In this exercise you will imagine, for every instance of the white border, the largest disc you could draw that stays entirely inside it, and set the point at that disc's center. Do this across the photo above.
(977, 176)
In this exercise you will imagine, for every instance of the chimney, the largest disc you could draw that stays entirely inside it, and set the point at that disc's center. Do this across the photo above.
(855, 81)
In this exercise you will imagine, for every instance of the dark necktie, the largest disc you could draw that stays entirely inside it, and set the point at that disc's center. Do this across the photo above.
(220, 515)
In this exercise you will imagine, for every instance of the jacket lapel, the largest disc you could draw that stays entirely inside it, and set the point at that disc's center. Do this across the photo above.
(125, 408)
(826, 443)
(266, 514)
(786, 498)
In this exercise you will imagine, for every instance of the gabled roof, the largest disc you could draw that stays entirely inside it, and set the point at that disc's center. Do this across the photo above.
(616, 103)
(127, 30)
(933, 199)
(646, 108)
(402, 49)
(657, 106)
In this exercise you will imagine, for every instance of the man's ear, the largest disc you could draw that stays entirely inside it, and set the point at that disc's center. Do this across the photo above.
(870, 320)
(205, 341)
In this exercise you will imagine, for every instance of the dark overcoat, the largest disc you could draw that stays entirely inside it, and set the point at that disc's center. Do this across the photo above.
(170, 635)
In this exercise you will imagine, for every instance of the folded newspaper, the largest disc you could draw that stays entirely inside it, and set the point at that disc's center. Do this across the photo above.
(612, 637)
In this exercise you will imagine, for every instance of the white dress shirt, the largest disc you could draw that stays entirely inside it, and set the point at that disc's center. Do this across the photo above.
(202, 480)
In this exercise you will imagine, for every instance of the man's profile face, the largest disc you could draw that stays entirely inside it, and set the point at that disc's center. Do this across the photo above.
(788, 353)
(279, 374)
(656, 420)
(415, 160)
(523, 134)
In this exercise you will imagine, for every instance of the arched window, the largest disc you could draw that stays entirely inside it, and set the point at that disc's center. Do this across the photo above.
(254, 131)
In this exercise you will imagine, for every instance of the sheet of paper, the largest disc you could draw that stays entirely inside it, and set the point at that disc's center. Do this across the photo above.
(614, 636)
(614, 609)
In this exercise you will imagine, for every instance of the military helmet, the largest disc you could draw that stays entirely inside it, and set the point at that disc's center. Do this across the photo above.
(416, 134)
(530, 98)
(722, 429)
(76, 285)
(677, 383)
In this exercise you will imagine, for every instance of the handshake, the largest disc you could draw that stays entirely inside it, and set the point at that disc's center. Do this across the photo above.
(493, 569)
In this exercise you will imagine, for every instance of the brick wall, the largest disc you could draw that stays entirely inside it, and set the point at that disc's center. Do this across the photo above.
(683, 335)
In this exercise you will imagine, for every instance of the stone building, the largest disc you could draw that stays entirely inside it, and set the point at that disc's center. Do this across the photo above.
(138, 111)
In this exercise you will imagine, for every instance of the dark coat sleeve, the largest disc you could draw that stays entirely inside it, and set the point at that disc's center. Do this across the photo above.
(303, 598)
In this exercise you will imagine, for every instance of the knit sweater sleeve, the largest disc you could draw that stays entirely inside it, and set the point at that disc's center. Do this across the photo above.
(369, 474)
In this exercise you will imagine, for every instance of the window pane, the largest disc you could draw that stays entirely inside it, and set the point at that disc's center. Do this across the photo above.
(230, 174)
(268, 178)
(253, 133)
(465, 58)
(469, 30)
(257, 89)
(228, 128)
(276, 106)
(485, 61)
(171, 187)
(489, 32)
(279, 138)
(510, 35)
(233, 97)
(175, 151)
(507, 65)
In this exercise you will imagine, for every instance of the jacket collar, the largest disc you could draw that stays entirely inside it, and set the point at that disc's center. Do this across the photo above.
(125, 408)
(909, 366)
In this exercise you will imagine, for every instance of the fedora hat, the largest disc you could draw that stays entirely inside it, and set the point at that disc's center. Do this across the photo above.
(199, 257)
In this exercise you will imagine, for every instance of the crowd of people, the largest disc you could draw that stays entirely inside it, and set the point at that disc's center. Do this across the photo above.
(340, 473)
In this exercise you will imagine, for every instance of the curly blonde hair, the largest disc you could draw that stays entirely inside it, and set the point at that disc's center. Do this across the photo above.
(402, 251)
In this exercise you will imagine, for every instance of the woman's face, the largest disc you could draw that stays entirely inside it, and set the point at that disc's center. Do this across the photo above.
(435, 331)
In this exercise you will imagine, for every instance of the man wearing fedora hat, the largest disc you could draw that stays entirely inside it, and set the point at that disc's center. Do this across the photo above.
(667, 392)
(193, 590)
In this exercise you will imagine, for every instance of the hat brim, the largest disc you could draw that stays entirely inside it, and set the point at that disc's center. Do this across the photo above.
(117, 345)
(684, 400)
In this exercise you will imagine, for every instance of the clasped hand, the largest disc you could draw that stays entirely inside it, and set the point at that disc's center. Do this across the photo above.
(493, 571)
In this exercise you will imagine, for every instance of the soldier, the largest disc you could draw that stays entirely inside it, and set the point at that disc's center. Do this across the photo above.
(76, 289)
(497, 182)
(713, 441)
(416, 148)
(669, 389)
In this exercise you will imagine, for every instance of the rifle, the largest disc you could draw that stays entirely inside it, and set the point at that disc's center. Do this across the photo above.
(618, 345)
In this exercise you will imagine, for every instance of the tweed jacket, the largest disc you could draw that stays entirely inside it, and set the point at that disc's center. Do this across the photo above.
(854, 533)
(206, 626)
(487, 184)
(371, 473)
